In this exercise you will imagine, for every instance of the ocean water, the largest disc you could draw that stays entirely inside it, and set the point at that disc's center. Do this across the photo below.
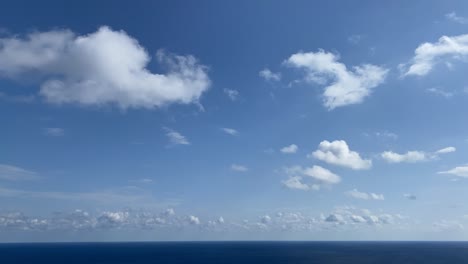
(236, 252)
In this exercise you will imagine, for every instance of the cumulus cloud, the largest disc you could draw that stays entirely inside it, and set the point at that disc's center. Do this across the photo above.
(290, 149)
(239, 168)
(193, 220)
(104, 67)
(232, 94)
(317, 175)
(13, 173)
(414, 155)
(175, 137)
(345, 87)
(460, 171)
(427, 55)
(364, 196)
(268, 75)
(230, 131)
(54, 131)
(338, 153)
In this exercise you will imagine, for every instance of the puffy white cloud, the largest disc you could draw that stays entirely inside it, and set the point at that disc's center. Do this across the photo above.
(318, 176)
(54, 131)
(104, 67)
(175, 137)
(338, 153)
(265, 219)
(427, 55)
(193, 220)
(364, 196)
(239, 168)
(335, 218)
(460, 171)
(13, 173)
(232, 94)
(414, 155)
(230, 131)
(290, 149)
(322, 175)
(452, 16)
(268, 75)
(295, 182)
(347, 86)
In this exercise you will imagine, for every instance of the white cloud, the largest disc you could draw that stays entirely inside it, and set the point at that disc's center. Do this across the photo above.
(446, 225)
(290, 149)
(452, 16)
(386, 134)
(347, 86)
(338, 153)
(13, 173)
(193, 220)
(230, 131)
(427, 55)
(175, 137)
(322, 175)
(410, 156)
(104, 67)
(299, 177)
(446, 150)
(269, 75)
(54, 131)
(295, 182)
(414, 155)
(460, 171)
(364, 196)
(239, 168)
(232, 94)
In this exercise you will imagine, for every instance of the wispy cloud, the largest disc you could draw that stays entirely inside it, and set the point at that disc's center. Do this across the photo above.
(230, 131)
(268, 75)
(175, 138)
(54, 131)
(452, 16)
(232, 94)
(13, 173)
(239, 168)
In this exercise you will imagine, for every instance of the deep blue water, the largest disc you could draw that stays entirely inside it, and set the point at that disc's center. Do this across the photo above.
(236, 252)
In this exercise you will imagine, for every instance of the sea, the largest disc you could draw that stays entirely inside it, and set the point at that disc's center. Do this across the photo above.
(235, 252)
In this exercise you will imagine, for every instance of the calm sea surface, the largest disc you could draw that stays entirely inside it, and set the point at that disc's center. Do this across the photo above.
(236, 252)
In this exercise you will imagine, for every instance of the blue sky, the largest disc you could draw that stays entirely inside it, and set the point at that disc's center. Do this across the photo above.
(208, 120)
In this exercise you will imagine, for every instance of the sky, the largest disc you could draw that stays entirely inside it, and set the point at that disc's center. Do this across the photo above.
(233, 120)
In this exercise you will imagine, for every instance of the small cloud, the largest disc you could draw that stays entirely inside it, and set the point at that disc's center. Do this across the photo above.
(364, 196)
(175, 137)
(193, 220)
(440, 92)
(355, 39)
(290, 149)
(446, 150)
(239, 168)
(230, 131)
(54, 131)
(232, 94)
(13, 173)
(409, 196)
(268, 75)
(338, 153)
(144, 181)
(452, 16)
(460, 171)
